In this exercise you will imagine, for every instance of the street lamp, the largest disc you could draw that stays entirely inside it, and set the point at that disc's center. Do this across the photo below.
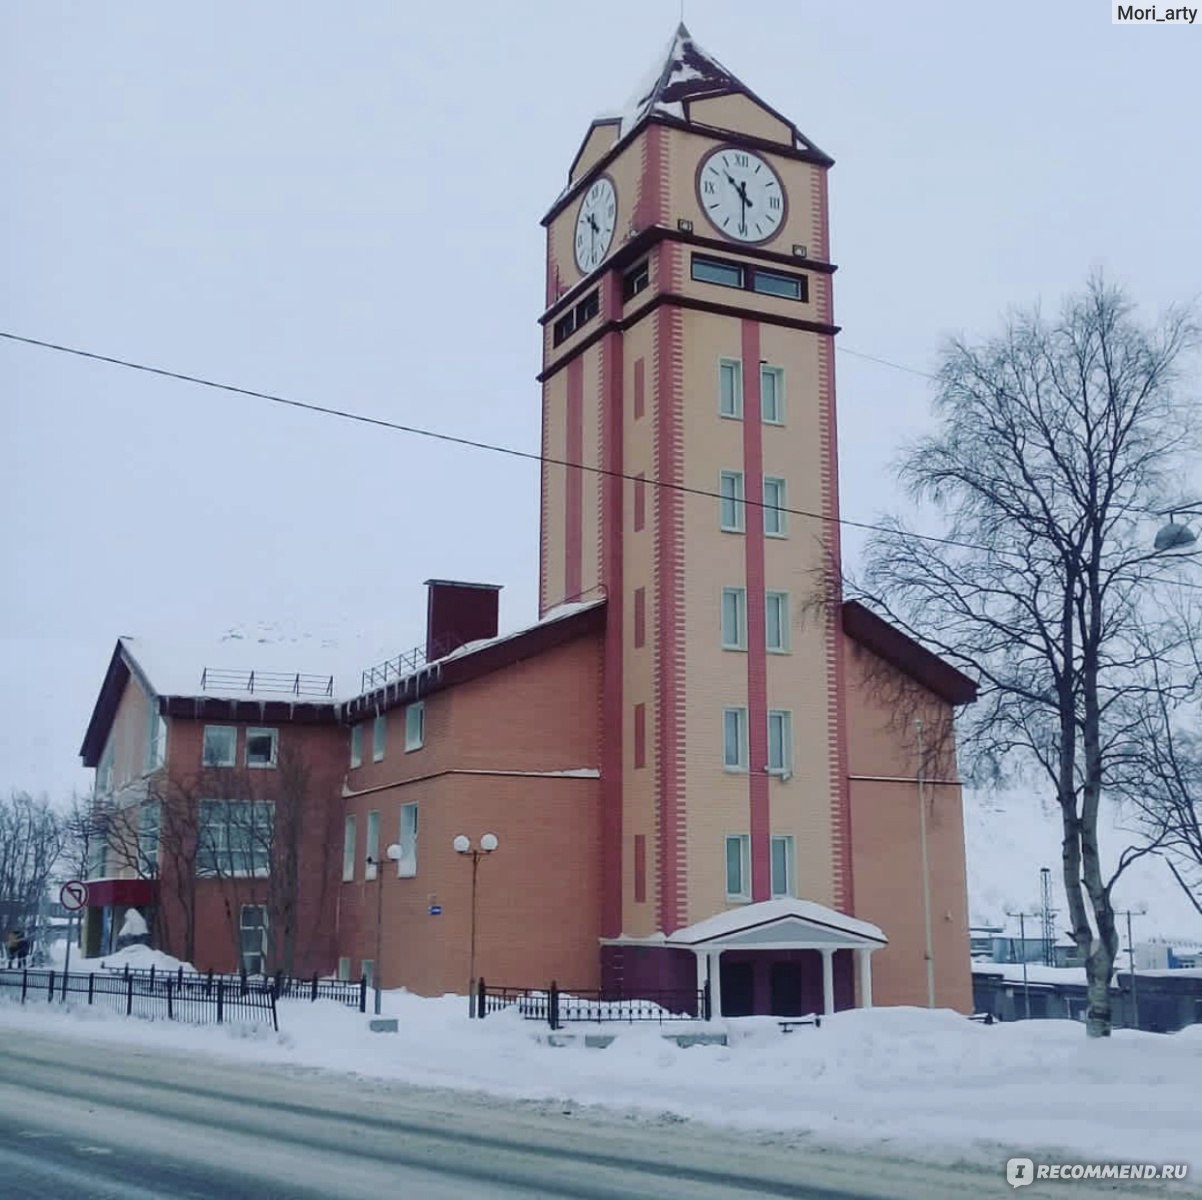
(393, 853)
(463, 845)
(1174, 535)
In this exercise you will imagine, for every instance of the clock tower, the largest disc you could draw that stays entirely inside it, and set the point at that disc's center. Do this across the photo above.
(688, 368)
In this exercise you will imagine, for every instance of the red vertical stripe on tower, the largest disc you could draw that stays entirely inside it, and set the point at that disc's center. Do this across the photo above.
(573, 507)
(757, 652)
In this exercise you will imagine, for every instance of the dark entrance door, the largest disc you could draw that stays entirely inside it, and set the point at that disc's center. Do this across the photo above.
(786, 989)
(738, 989)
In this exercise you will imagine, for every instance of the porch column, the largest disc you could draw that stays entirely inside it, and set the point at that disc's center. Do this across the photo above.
(713, 957)
(864, 956)
(828, 981)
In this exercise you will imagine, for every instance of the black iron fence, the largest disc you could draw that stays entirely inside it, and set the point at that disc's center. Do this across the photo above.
(194, 999)
(352, 992)
(557, 1006)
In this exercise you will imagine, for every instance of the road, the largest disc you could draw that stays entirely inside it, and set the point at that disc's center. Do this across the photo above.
(94, 1122)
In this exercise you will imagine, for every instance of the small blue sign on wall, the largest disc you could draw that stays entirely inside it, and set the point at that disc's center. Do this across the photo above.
(436, 910)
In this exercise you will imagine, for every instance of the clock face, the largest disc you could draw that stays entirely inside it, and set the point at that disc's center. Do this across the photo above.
(741, 194)
(595, 224)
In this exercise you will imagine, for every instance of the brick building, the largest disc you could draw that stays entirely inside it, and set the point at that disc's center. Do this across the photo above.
(693, 769)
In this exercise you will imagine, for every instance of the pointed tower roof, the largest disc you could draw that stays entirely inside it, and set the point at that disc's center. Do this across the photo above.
(689, 72)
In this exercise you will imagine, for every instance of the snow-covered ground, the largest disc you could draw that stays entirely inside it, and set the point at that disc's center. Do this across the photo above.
(930, 1084)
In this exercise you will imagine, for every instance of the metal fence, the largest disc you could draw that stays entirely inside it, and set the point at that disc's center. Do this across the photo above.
(194, 999)
(352, 992)
(556, 1005)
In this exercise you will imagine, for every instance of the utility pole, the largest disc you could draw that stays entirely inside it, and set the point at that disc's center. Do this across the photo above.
(1022, 937)
(1126, 912)
(926, 870)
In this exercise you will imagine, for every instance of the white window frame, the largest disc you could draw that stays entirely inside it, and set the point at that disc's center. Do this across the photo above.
(371, 847)
(737, 596)
(379, 737)
(244, 929)
(776, 509)
(735, 367)
(744, 843)
(204, 746)
(357, 745)
(156, 738)
(406, 865)
(784, 718)
(739, 713)
(344, 969)
(150, 819)
(778, 376)
(350, 846)
(785, 841)
(260, 731)
(217, 855)
(367, 970)
(737, 496)
(104, 771)
(783, 644)
(415, 726)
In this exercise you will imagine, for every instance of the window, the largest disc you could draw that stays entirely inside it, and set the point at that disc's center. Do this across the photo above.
(774, 283)
(776, 622)
(156, 739)
(734, 739)
(349, 837)
(774, 506)
(149, 818)
(640, 388)
(734, 618)
(730, 388)
(738, 867)
(379, 730)
(584, 312)
(104, 772)
(636, 279)
(406, 865)
(713, 270)
(772, 395)
(780, 742)
(344, 969)
(261, 747)
(253, 938)
(640, 735)
(782, 866)
(371, 851)
(731, 514)
(220, 745)
(235, 837)
(640, 617)
(368, 966)
(356, 745)
(97, 855)
(415, 726)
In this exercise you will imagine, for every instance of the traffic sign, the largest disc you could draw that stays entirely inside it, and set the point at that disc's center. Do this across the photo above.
(73, 895)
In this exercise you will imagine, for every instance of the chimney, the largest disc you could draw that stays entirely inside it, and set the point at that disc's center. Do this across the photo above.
(457, 613)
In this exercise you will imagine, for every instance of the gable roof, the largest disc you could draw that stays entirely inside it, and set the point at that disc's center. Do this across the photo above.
(910, 657)
(689, 72)
(788, 916)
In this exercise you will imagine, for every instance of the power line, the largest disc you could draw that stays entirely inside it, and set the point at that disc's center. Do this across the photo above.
(418, 431)
(528, 455)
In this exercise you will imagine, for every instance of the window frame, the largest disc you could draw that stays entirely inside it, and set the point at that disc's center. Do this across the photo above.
(739, 500)
(740, 714)
(406, 865)
(263, 927)
(748, 277)
(739, 596)
(156, 739)
(777, 507)
(784, 717)
(204, 747)
(412, 741)
(743, 893)
(260, 730)
(636, 280)
(735, 367)
(357, 744)
(379, 737)
(216, 856)
(350, 847)
(785, 644)
(778, 374)
(787, 842)
(148, 852)
(736, 272)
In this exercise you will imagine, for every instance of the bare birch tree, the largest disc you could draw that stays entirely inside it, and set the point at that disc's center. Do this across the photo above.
(1056, 442)
(31, 841)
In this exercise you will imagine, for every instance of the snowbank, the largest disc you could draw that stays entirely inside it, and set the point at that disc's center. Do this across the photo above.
(137, 958)
(927, 1083)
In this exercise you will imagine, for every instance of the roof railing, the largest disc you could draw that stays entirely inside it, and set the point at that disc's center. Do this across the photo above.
(408, 663)
(274, 682)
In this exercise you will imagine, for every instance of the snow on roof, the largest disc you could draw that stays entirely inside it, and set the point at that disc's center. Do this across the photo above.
(173, 667)
(736, 920)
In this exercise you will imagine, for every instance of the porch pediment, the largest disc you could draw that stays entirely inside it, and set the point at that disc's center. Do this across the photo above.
(779, 923)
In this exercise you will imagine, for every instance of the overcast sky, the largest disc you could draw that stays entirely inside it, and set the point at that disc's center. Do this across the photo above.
(341, 203)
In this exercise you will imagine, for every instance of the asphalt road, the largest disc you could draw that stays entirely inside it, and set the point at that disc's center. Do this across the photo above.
(95, 1122)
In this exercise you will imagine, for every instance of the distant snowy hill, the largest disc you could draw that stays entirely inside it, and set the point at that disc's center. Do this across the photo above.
(1010, 835)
